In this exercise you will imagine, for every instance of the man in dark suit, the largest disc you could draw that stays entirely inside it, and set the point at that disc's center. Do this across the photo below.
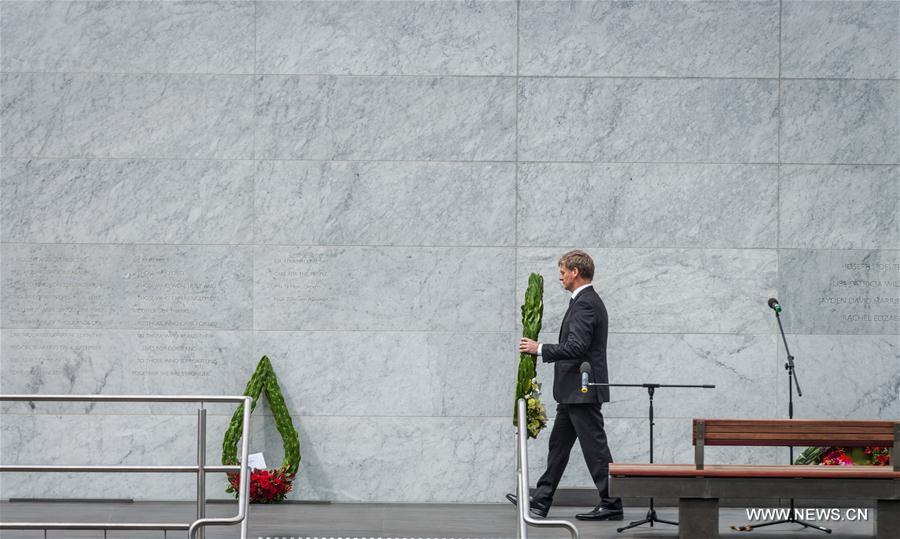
(582, 337)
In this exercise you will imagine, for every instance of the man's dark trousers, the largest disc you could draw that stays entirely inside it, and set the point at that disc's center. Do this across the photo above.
(577, 421)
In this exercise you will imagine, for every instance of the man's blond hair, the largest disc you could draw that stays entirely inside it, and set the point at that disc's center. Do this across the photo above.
(580, 260)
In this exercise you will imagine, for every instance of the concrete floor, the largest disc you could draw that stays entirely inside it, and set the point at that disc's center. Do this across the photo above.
(379, 520)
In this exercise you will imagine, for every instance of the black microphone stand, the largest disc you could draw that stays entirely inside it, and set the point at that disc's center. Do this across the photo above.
(651, 517)
(792, 381)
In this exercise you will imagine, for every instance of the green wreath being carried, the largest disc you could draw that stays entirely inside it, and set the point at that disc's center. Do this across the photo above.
(527, 386)
(266, 486)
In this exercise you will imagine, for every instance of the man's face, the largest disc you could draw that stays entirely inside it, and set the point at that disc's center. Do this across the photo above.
(567, 277)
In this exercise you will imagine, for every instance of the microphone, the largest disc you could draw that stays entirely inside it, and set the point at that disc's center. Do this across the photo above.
(774, 305)
(585, 375)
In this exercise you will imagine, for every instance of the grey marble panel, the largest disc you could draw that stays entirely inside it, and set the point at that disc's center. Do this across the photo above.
(742, 367)
(406, 118)
(840, 39)
(126, 287)
(384, 288)
(98, 486)
(697, 120)
(387, 38)
(157, 37)
(844, 376)
(406, 459)
(115, 115)
(664, 290)
(385, 203)
(363, 373)
(638, 205)
(629, 442)
(840, 121)
(123, 362)
(680, 39)
(840, 207)
(123, 201)
(97, 439)
(841, 292)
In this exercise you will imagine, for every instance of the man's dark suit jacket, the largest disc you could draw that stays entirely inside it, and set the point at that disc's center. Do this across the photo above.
(582, 337)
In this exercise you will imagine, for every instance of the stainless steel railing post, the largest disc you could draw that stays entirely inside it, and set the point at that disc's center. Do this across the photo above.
(522, 493)
(201, 463)
(245, 472)
(522, 528)
(524, 497)
(243, 495)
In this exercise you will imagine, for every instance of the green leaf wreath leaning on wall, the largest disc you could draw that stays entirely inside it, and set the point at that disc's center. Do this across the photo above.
(527, 386)
(266, 486)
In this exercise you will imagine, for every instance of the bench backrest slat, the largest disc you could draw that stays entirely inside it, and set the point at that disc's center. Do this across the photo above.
(794, 432)
(798, 432)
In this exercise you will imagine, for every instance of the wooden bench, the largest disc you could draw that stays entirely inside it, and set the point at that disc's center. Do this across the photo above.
(698, 487)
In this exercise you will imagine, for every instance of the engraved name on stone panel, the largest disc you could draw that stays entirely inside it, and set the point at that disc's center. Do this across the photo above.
(165, 355)
(297, 277)
(166, 294)
(53, 288)
(31, 358)
(126, 287)
(842, 292)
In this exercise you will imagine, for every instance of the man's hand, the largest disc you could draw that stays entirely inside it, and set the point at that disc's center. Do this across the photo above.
(527, 346)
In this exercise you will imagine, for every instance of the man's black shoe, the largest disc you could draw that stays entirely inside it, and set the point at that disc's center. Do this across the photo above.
(600, 513)
(537, 510)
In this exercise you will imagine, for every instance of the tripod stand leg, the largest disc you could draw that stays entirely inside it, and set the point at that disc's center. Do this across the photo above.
(787, 521)
(813, 526)
(751, 527)
(649, 519)
(634, 524)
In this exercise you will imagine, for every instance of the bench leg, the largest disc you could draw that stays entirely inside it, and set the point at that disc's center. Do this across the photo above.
(698, 518)
(887, 518)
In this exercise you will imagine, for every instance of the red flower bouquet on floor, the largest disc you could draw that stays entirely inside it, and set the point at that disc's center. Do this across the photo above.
(836, 456)
(846, 456)
(266, 486)
(879, 456)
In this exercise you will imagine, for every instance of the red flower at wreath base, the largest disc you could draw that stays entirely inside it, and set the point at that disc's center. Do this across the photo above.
(266, 486)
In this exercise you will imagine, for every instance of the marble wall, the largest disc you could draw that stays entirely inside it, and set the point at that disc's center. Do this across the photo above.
(360, 189)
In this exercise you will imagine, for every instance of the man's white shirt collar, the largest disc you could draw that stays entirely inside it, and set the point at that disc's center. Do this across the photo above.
(579, 289)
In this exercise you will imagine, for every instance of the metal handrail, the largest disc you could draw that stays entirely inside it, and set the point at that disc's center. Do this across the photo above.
(524, 496)
(194, 528)
(114, 469)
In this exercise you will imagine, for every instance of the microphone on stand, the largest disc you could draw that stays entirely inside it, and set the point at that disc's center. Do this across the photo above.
(774, 305)
(585, 376)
